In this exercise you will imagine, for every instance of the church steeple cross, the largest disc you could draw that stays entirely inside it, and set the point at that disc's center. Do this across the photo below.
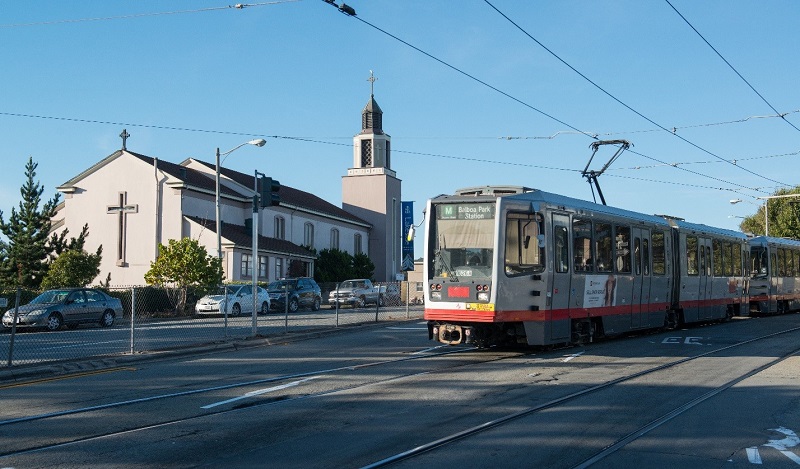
(124, 136)
(371, 81)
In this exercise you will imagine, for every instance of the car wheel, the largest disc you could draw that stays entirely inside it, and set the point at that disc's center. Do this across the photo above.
(265, 308)
(381, 301)
(293, 305)
(54, 322)
(107, 319)
(317, 304)
(361, 302)
(236, 310)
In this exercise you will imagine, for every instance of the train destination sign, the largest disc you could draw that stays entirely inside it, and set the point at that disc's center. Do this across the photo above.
(465, 211)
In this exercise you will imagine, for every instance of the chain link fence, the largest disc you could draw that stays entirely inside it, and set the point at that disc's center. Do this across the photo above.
(155, 319)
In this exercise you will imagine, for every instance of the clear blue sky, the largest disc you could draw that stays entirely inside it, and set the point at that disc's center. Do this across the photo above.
(187, 77)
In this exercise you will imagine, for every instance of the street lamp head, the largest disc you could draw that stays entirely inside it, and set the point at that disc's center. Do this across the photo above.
(259, 142)
(735, 201)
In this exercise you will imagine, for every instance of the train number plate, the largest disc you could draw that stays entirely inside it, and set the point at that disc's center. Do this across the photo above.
(480, 306)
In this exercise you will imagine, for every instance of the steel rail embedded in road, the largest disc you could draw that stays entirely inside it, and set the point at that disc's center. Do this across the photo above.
(419, 450)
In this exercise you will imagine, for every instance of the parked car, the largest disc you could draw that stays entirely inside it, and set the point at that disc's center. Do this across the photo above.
(356, 293)
(66, 306)
(302, 291)
(239, 299)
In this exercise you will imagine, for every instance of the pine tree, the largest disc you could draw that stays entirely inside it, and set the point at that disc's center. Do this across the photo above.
(26, 252)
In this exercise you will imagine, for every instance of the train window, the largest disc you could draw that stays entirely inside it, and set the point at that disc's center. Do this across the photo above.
(637, 255)
(796, 263)
(603, 248)
(718, 257)
(582, 245)
(646, 253)
(462, 240)
(659, 254)
(561, 238)
(691, 255)
(782, 262)
(758, 257)
(622, 249)
(523, 254)
(731, 259)
(790, 255)
(773, 261)
(708, 261)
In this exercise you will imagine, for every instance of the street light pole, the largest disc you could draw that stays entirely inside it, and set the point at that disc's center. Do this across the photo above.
(260, 142)
(766, 200)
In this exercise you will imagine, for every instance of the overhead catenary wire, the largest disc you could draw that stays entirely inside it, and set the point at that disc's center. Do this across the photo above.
(588, 134)
(323, 141)
(238, 6)
(603, 90)
(782, 116)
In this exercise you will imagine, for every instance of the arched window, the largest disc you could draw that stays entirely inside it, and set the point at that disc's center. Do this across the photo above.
(308, 238)
(334, 238)
(280, 227)
(357, 244)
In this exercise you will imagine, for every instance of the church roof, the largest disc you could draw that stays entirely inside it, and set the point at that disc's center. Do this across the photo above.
(372, 106)
(243, 237)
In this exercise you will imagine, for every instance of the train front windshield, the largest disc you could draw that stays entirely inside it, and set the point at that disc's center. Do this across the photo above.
(463, 240)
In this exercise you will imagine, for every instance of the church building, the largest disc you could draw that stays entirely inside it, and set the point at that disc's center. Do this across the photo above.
(133, 202)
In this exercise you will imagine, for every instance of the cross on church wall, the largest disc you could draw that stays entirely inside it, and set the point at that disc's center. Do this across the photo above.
(122, 209)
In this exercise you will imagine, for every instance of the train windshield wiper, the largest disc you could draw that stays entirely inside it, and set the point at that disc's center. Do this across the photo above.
(450, 272)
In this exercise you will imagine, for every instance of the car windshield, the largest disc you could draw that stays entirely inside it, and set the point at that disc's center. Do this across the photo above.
(51, 296)
(352, 284)
(280, 285)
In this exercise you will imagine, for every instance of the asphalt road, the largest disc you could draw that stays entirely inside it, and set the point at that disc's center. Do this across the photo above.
(718, 396)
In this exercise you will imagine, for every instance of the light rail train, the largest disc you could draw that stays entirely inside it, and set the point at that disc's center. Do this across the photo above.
(514, 265)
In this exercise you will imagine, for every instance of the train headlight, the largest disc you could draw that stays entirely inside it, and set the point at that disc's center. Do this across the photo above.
(483, 296)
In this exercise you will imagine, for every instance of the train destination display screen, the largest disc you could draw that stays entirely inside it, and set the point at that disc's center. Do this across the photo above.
(465, 211)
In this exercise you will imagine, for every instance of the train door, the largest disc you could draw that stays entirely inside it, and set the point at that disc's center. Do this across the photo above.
(560, 293)
(705, 309)
(641, 278)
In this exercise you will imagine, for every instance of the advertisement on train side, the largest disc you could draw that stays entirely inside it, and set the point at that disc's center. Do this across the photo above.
(601, 290)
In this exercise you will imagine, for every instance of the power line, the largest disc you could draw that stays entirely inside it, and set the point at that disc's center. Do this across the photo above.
(317, 140)
(238, 6)
(783, 116)
(560, 121)
(624, 104)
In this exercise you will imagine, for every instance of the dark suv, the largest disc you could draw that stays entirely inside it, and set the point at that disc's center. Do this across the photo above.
(303, 291)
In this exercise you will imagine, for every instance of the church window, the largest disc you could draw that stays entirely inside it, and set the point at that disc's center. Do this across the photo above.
(280, 228)
(357, 244)
(366, 153)
(334, 239)
(308, 237)
(262, 266)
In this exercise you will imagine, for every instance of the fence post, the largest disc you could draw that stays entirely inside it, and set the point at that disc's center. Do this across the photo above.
(408, 299)
(133, 317)
(377, 303)
(14, 327)
(336, 304)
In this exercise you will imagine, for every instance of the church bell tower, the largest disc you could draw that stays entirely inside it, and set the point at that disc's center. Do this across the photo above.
(371, 190)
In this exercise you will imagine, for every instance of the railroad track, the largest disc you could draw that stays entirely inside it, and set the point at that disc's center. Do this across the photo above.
(471, 355)
(410, 455)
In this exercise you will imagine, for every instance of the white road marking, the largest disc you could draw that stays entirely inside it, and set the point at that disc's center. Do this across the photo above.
(429, 349)
(790, 441)
(574, 355)
(753, 456)
(258, 392)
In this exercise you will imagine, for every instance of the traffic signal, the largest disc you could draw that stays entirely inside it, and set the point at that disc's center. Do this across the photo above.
(268, 189)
